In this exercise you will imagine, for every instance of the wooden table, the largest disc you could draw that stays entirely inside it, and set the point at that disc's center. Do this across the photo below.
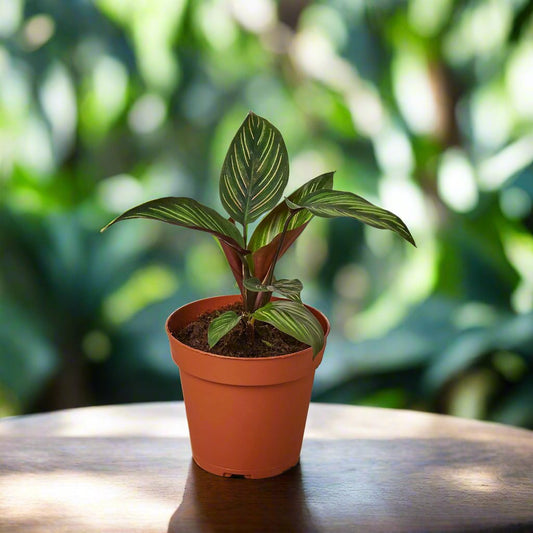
(128, 468)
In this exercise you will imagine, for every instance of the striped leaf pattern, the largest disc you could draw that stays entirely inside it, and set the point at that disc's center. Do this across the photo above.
(255, 170)
(274, 222)
(221, 325)
(291, 288)
(330, 204)
(294, 319)
(188, 213)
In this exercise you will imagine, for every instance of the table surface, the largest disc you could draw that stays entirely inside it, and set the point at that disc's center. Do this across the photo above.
(129, 468)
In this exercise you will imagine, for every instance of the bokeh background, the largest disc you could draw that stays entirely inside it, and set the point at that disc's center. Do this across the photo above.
(425, 108)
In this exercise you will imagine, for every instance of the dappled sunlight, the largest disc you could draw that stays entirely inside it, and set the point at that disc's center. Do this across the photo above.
(147, 114)
(254, 15)
(474, 478)
(38, 30)
(371, 423)
(456, 181)
(150, 284)
(80, 501)
(414, 92)
(400, 191)
(58, 96)
(519, 79)
(378, 469)
(120, 192)
(520, 249)
(107, 91)
(501, 167)
(314, 54)
(491, 116)
(158, 420)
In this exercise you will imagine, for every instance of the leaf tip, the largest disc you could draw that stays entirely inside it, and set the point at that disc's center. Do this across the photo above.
(109, 224)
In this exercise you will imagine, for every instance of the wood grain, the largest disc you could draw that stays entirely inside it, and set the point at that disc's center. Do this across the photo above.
(128, 468)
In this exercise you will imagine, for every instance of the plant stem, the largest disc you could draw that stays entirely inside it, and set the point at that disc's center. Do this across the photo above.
(247, 299)
(270, 273)
(252, 331)
(264, 297)
(245, 292)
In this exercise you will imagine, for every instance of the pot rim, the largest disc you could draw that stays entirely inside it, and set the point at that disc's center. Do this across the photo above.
(231, 357)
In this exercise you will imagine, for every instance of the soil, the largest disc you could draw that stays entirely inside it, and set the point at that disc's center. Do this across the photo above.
(266, 340)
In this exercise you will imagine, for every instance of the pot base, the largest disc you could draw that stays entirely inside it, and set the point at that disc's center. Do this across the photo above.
(229, 472)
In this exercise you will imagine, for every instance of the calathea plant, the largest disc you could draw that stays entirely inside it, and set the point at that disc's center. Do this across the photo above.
(253, 178)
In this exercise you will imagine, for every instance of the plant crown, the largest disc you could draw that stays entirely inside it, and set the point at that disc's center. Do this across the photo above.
(253, 177)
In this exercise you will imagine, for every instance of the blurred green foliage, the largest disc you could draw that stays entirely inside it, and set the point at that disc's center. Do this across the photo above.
(426, 108)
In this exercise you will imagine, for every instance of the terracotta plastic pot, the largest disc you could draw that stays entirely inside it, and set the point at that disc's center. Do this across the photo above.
(246, 416)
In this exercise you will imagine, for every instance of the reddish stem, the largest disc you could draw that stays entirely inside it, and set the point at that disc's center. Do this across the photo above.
(263, 297)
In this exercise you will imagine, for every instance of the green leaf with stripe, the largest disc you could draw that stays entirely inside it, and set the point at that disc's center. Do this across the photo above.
(255, 171)
(188, 213)
(221, 325)
(294, 319)
(291, 288)
(331, 204)
(273, 224)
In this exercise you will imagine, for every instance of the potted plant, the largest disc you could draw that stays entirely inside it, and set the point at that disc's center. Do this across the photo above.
(247, 361)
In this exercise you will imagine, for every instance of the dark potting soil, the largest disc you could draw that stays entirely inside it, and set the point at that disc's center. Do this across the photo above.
(265, 342)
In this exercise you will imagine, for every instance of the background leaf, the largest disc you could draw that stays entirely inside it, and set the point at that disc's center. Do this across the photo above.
(294, 319)
(255, 170)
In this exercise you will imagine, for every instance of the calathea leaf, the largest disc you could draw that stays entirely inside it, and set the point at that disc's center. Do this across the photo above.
(221, 325)
(294, 319)
(274, 222)
(188, 213)
(291, 288)
(255, 170)
(331, 204)
(254, 285)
